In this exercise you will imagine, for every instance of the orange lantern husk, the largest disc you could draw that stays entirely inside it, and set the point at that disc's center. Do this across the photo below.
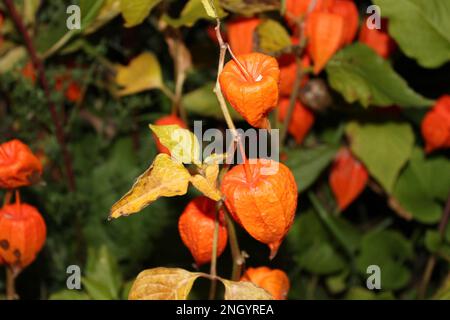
(302, 119)
(377, 39)
(436, 126)
(288, 72)
(166, 121)
(298, 8)
(348, 178)
(274, 281)
(261, 196)
(196, 226)
(325, 32)
(240, 34)
(19, 167)
(22, 235)
(251, 87)
(348, 10)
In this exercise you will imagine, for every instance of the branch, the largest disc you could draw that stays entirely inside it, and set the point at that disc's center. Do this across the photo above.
(37, 63)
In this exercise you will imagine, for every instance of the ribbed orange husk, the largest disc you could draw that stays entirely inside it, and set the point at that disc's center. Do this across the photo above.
(196, 227)
(348, 178)
(288, 72)
(256, 96)
(274, 281)
(19, 167)
(302, 119)
(297, 8)
(436, 126)
(377, 39)
(325, 33)
(240, 33)
(22, 234)
(348, 10)
(262, 199)
(166, 121)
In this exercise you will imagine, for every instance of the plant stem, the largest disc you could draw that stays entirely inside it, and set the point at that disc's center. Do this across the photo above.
(213, 268)
(431, 262)
(38, 65)
(10, 284)
(238, 258)
(8, 197)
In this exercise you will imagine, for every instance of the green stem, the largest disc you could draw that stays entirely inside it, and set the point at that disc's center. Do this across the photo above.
(238, 259)
(213, 268)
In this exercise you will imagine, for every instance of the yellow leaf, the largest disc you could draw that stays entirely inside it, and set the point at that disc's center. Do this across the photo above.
(206, 181)
(164, 178)
(182, 143)
(244, 291)
(272, 37)
(209, 7)
(135, 11)
(143, 73)
(109, 10)
(163, 284)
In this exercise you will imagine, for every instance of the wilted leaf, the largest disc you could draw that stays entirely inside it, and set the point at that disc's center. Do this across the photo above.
(359, 74)
(182, 143)
(109, 10)
(192, 12)
(250, 7)
(134, 12)
(206, 181)
(163, 284)
(272, 36)
(421, 28)
(244, 291)
(383, 147)
(164, 178)
(143, 73)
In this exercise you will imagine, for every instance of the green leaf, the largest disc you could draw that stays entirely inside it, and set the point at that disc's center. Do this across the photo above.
(192, 12)
(250, 7)
(89, 11)
(383, 147)
(389, 250)
(272, 36)
(313, 248)
(103, 278)
(358, 293)
(421, 29)
(308, 164)
(69, 295)
(423, 187)
(203, 101)
(359, 74)
(209, 8)
(134, 12)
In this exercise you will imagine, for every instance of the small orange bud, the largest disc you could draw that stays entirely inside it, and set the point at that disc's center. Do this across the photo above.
(301, 121)
(261, 195)
(436, 126)
(274, 281)
(253, 92)
(166, 121)
(18, 165)
(22, 234)
(240, 34)
(348, 178)
(196, 227)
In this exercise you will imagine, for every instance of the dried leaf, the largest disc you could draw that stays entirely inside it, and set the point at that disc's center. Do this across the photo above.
(182, 143)
(143, 73)
(206, 181)
(163, 284)
(164, 178)
(244, 291)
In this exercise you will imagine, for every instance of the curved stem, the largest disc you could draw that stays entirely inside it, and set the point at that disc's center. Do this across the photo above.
(238, 258)
(244, 71)
(10, 284)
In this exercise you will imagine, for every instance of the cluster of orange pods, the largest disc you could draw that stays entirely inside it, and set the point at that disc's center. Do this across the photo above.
(22, 228)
